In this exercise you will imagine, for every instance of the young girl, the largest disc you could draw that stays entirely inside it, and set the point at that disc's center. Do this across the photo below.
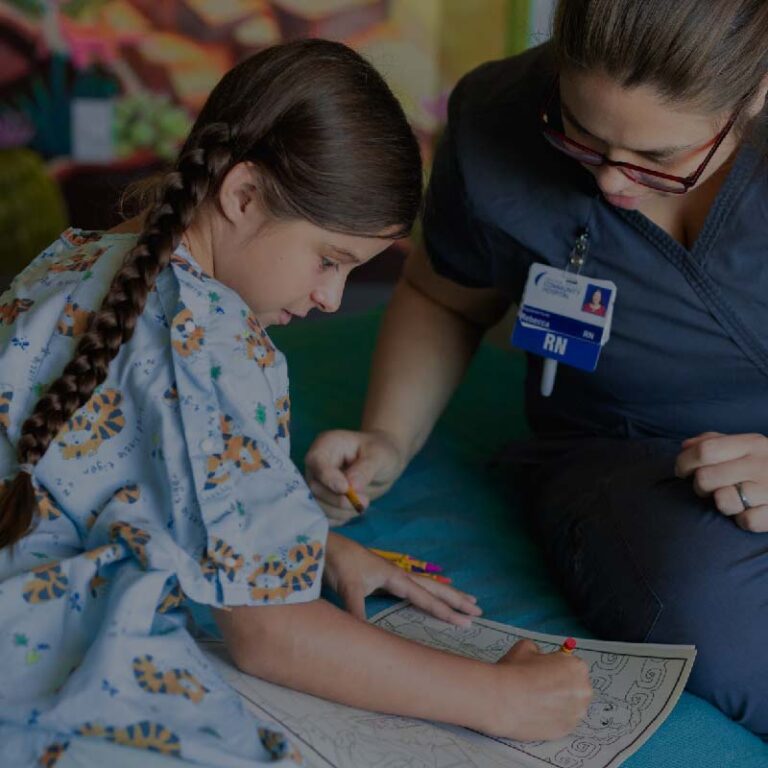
(145, 441)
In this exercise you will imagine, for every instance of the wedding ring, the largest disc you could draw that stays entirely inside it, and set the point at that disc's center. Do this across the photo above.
(742, 496)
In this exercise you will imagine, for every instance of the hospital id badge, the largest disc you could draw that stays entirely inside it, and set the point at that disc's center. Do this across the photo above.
(564, 316)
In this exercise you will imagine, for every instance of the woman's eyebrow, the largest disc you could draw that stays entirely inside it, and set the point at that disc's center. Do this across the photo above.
(652, 154)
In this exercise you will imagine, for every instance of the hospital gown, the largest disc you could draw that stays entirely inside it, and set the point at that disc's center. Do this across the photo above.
(173, 483)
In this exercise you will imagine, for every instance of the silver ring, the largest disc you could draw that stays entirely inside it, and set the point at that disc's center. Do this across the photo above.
(742, 496)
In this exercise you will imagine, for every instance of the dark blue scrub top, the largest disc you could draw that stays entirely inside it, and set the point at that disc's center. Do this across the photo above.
(688, 350)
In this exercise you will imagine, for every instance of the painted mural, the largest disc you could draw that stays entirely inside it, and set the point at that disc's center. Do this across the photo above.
(117, 83)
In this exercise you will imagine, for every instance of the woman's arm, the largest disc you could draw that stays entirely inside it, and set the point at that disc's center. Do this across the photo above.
(428, 336)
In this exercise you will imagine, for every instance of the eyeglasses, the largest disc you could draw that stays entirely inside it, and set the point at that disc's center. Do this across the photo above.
(662, 182)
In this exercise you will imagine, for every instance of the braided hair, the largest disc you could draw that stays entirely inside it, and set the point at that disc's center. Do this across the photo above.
(329, 143)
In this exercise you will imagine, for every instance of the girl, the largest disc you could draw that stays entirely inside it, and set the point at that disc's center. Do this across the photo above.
(145, 420)
(641, 127)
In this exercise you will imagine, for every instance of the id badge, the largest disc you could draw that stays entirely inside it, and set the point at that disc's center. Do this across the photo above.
(565, 316)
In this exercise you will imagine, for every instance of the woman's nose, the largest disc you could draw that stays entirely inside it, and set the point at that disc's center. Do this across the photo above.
(612, 181)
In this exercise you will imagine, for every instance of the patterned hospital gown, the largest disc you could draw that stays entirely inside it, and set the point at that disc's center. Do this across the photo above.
(172, 484)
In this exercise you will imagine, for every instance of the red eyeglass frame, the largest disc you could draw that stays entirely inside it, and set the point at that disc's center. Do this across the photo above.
(686, 181)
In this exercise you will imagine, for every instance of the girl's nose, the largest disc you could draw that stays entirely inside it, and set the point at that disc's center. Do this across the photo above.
(328, 297)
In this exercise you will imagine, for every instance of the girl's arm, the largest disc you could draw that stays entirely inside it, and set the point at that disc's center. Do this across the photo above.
(319, 649)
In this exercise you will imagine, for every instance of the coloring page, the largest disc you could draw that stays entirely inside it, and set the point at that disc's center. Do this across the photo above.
(636, 687)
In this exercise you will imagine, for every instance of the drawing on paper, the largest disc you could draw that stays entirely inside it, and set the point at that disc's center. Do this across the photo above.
(636, 686)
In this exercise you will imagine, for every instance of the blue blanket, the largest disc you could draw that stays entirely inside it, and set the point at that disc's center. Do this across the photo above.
(483, 542)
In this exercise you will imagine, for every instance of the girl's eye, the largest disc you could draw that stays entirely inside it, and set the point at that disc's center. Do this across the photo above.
(326, 263)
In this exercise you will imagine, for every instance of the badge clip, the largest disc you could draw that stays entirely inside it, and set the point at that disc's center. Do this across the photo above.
(575, 262)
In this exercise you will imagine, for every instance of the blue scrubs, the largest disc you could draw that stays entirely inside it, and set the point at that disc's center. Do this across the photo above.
(639, 554)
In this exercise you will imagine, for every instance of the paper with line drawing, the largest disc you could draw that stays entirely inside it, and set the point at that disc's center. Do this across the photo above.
(636, 686)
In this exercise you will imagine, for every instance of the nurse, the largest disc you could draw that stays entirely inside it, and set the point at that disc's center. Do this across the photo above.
(641, 124)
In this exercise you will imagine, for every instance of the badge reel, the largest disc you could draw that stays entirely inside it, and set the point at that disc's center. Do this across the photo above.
(564, 317)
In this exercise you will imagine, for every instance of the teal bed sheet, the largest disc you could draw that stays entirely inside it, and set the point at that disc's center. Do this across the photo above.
(450, 507)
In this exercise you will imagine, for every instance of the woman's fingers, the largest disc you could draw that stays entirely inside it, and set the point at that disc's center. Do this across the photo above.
(729, 502)
(338, 517)
(754, 520)
(721, 465)
(706, 480)
(334, 503)
(712, 448)
(691, 441)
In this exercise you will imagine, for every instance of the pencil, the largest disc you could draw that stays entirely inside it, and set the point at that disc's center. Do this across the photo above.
(425, 566)
(354, 500)
(568, 646)
(436, 577)
(407, 564)
(410, 568)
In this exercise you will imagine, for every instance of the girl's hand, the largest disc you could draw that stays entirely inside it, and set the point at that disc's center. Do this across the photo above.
(718, 462)
(538, 695)
(368, 461)
(353, 572)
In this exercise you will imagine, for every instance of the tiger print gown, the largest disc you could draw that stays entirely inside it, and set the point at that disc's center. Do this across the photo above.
(172, 484)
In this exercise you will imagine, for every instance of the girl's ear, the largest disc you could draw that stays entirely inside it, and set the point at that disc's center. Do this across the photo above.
(238, 195)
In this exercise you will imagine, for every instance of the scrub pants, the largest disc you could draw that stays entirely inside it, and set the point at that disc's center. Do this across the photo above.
(643, 559)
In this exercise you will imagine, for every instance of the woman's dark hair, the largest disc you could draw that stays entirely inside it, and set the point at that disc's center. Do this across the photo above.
(330, 144)
(711, 53)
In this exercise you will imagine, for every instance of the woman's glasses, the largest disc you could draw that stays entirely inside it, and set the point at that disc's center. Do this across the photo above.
(662, 182)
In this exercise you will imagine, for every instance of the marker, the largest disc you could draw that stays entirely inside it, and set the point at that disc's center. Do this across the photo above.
(354, 500)
(568, 646)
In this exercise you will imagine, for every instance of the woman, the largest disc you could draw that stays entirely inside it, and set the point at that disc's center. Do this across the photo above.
(636, 132)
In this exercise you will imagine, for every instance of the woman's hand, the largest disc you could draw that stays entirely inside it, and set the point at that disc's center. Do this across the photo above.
(368, 461)
(353, 572)
(717, 463)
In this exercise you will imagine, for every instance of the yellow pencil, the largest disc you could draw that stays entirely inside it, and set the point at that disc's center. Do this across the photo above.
(410, 564)
(354, 500)
(568, 646)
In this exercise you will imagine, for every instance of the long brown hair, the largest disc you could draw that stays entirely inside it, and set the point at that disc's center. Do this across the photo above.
(330, 144)
(710, 53)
